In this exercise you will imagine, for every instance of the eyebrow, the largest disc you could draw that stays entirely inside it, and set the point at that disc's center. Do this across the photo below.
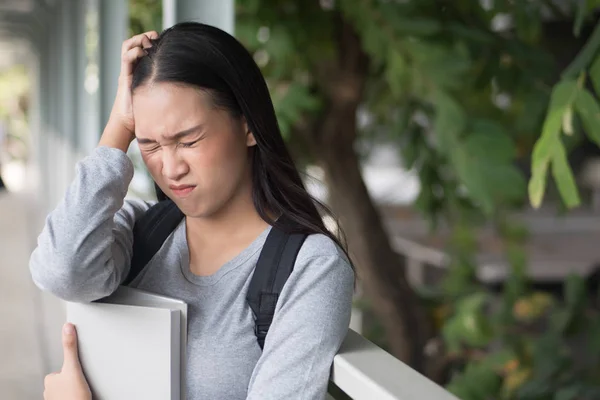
(178, 136)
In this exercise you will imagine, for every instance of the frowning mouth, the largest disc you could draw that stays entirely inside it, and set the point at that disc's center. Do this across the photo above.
(181, 190)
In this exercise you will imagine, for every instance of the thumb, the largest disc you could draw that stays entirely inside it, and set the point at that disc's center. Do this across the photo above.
(70, 353)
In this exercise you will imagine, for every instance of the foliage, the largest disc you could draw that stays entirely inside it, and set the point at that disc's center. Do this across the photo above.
(463, 101)
(433, 79)
(144, 16)
(14, 84)
(14, 111)
(545, 349)
(570, 99)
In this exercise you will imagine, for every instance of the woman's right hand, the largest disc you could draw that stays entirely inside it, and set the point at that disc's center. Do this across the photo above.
(120, 129)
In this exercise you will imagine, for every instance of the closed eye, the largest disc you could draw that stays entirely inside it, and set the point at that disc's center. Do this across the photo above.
(189, 144)
(149, 149)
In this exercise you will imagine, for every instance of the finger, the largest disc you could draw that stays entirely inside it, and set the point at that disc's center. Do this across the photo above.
(152, 34)
(149, 37)
(70, 352)
(132, 55)
(130, 58)
(137, 40)
(48, 378)
(146, 43)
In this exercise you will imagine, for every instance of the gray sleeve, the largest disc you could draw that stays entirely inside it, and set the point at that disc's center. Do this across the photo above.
(309, 326)
(84, 249)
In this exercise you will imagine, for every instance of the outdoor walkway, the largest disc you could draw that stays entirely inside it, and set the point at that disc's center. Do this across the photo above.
(24, 310)
(20, 344)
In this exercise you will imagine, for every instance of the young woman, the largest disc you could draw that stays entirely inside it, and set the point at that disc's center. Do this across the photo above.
(200, 110)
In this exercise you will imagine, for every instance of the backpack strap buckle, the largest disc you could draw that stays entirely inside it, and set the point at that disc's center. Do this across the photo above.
(261, 327)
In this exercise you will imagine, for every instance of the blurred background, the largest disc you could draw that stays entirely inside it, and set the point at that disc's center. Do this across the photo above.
(457, 142)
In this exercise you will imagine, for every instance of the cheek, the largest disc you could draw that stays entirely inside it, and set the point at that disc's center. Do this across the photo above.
(231, 156)
(218, 163)
(223, 150)
(153, 163)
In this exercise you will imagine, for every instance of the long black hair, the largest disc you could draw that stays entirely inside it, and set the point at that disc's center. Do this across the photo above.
(210, 59)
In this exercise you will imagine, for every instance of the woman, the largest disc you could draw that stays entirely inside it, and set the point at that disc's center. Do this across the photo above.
(200, 110)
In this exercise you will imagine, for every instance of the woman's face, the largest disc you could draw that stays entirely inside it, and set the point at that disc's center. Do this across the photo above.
(197, 154)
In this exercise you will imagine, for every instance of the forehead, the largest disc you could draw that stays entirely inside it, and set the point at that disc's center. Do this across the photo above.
(164, 108)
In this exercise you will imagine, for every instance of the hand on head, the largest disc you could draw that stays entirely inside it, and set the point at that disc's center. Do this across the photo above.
(120, 129)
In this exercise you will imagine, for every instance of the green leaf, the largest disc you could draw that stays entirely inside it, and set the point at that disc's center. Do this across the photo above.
(490, 184)
(490, 142)
(505, 183)
(585, 56)
(589, 111)
(472, 303)
(396, 74)
(469, 325)
(595, 74)
(537, 184)
(411, 147)
(563, 96)
(498, 359)
(580, 17)
(437, 67)
(478, 381)
(561, 320)
(484, 164)
(450, 121)
(567, 122)
(575, 291)
(572, 319)
(550, 356)
(564, 178)
(472, 178)
(291, 102)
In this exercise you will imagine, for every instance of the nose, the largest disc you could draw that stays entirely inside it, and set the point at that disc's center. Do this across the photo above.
(174, 166)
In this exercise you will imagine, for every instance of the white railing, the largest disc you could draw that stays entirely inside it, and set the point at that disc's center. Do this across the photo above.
(366, 372)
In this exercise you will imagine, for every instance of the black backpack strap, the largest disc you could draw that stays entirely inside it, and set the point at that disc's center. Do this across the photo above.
(274, 266)
(150, 232)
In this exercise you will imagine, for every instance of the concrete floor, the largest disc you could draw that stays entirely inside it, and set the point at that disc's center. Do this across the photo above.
(30, 320)
(21, 365)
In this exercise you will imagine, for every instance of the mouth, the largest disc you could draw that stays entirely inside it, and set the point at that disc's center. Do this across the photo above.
(181, 190)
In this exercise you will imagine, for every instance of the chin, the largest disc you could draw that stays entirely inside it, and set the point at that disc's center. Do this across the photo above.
(196, 210)
(201, 205)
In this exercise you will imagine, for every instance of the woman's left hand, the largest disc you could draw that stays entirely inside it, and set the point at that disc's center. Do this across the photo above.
(69, 383)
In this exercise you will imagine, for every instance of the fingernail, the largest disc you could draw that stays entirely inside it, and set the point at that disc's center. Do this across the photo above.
(68, 329)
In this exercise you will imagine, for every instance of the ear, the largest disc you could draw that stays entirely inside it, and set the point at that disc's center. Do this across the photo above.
(250, 139)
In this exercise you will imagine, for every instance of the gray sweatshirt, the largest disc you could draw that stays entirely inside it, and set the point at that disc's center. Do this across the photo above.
(84, 253)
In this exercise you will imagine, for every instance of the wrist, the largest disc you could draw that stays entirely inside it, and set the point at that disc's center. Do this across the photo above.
(115, 135)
